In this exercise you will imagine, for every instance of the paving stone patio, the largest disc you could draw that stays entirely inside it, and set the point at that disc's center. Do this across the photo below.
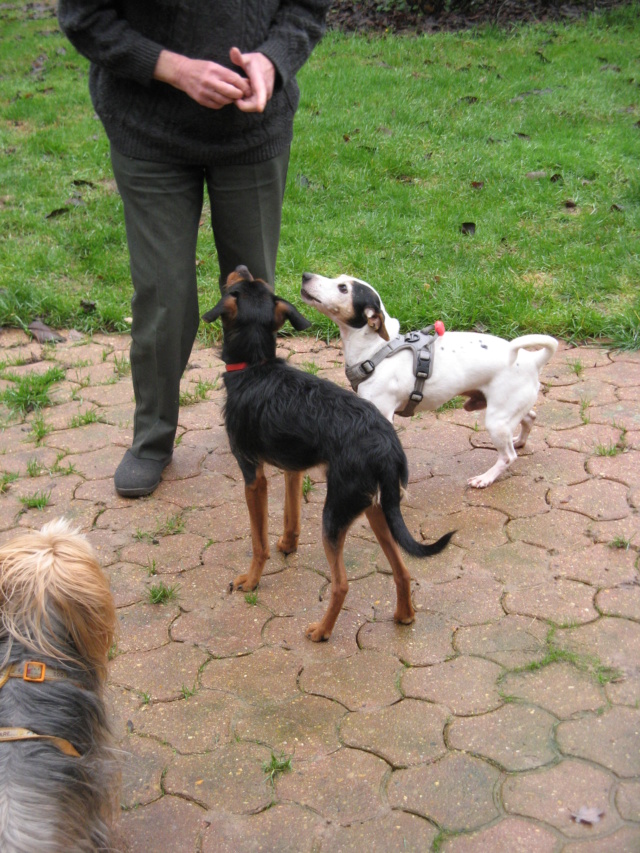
(506, 718)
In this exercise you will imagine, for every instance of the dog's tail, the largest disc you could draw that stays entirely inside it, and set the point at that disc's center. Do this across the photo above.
(390, 503)
(547, 347)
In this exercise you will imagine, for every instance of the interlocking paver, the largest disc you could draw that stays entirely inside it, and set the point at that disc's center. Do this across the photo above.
(409, 732)
(323, 786)
(457, 792)
(559, 601)
(441, 683)
(515, 736)
(194, 724)
(285, 828)
(560, 688)
(396, 831)
(555, 795)
(610, 739)
(511, 641)
(231, 778)
(512, 834)
(511, 702)
(367, 680)
(305, 727)
(428, 640)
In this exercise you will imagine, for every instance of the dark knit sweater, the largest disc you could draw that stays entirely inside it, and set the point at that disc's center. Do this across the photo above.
(150, 120)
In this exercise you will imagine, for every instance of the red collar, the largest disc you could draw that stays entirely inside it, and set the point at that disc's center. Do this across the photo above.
(239, 366)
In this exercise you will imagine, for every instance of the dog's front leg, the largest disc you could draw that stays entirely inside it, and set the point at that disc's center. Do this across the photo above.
(405, 613)
(318, 631)
(288, 542)
(256, 496)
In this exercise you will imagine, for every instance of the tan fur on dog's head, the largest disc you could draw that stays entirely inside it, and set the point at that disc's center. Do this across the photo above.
(53, 575)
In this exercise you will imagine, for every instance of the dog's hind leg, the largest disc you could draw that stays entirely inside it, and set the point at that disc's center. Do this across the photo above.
(405, 613)
(288, 542)
(318, 631)
(525, 429)
(502, 437)
(256, 497)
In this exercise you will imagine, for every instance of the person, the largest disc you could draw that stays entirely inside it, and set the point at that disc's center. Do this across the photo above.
(191, 93)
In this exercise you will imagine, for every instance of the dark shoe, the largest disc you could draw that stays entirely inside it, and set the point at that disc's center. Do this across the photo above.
(137, 477)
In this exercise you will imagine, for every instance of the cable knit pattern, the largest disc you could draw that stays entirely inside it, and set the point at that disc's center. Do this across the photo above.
(150, 120)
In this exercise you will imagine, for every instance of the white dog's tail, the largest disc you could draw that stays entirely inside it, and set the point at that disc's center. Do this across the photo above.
(547, 344)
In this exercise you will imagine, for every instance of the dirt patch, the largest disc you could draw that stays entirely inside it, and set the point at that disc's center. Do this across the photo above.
(379, 17)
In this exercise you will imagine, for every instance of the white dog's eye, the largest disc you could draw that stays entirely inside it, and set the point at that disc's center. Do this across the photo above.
(343, 288)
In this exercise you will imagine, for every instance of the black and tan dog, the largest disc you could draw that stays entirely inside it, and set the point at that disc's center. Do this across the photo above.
(283, 416)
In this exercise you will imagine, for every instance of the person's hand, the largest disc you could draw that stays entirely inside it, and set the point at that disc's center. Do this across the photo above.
(261, 75)
(209, 84)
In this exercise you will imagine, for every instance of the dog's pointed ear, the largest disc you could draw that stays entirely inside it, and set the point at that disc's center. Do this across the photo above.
(227, 308)
(285, 311)
(375, 319)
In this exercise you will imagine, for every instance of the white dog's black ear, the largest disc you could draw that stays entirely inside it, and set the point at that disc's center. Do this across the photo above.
(375, 319)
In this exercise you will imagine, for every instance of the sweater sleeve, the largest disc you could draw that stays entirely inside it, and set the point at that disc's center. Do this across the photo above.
(96, 30)
(296, 29)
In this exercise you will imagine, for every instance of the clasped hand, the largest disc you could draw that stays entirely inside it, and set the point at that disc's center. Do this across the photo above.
(214, 86)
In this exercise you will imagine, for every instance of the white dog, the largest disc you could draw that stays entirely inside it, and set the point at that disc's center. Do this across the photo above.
(495, 374)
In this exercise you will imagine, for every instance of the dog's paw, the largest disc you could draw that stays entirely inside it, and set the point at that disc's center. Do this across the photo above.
(404, 617)
(243, 584)
(287, 544)
(480, 482)
(316, 632)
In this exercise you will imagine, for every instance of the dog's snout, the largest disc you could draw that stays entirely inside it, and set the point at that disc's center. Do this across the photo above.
(306, 276)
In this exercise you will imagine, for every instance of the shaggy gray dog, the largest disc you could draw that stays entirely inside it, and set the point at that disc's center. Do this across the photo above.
(57, 619)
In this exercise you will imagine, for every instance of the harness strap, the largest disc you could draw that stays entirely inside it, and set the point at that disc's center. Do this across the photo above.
(12, 734)
(421, 345)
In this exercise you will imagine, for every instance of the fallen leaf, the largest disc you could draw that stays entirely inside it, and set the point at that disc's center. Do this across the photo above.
(555, 178)
(477, 185)
(87, 305)
(536, 176)
(57, 212)
(570, 204)
(617, 208)
(587, 815)
(469, 99)
(42, 333)
(522, 135)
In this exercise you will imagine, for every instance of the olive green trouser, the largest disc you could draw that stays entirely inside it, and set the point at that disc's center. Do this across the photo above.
(162, 208)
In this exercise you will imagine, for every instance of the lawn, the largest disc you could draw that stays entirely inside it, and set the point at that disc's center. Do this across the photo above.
(532, 135)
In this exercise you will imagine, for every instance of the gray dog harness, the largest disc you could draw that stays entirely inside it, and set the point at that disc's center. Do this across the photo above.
(421, 345)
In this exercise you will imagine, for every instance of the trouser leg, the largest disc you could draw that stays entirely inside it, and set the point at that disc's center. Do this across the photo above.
(162, 208)
(246, 211)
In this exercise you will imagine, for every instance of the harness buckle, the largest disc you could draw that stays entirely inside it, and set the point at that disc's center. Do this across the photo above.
(416, 397)
(367, 367)
(34, 671)
(412, 337)
(423, 364)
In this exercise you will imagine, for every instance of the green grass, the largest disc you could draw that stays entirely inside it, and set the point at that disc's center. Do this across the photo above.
(276, 765)
(161, 593)
(39, 500)
(30, 392)
(398, 141)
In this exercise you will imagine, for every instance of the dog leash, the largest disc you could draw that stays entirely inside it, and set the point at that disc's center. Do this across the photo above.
(12, 734)
(421, 345)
